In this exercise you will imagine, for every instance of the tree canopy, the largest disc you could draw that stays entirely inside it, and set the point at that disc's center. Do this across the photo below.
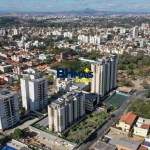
(141, 108)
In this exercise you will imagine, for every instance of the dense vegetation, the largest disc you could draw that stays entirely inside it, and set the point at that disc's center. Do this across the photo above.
(76, 64)
(9, 21)
(141, 108)
(18, 133)
(135, 65)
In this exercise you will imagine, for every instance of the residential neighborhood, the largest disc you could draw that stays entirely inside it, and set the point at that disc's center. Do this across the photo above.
(74, 82)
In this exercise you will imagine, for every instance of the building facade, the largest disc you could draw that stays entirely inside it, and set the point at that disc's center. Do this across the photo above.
(64, 112)
(9, 109)
(34, 92)
(126, 121)
(104, 75)
(135, 31)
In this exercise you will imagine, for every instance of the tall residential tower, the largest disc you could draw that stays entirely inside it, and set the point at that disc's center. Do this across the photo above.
(104, 75)
(65, 111)
(9, 109)
(135, 31)
(34, 92)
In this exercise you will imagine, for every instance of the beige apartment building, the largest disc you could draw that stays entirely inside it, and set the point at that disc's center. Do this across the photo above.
(104, 75)
(64, 112)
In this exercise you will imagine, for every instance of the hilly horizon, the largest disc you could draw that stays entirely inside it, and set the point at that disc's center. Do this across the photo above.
(86, 11)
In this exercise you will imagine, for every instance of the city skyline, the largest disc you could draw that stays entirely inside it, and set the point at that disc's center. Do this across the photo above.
(67, 5)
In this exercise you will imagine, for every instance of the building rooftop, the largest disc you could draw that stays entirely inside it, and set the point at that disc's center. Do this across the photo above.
(39, 79)
(4, 93)
(145, 126)
(125, 143)
(142, 148)
(58, 101)
(141, 122)
(128, 118)
(146, 143)
(90, 96)
(79, 85)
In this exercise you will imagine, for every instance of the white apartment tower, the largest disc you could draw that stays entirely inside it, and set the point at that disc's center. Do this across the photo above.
(135, 31)
(68, 34)
(9, 109)
(34, 92)
(83, 38)
(15, 31)
(63, 112)
(95, 40)
(104, 75)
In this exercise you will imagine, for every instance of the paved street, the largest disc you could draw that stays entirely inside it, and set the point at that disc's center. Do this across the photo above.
(94, 137)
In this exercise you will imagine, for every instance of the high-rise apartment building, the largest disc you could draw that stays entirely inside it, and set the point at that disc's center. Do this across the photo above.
(9, 109)
(34, 92)
(68, 34)
(95, 40)
(83, 38)
(135, 31)
(63, 112)
(104, 75)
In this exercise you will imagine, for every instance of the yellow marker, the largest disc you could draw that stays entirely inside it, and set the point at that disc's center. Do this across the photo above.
(86, 70)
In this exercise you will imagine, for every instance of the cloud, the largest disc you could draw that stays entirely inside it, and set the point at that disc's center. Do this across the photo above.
(139, 6)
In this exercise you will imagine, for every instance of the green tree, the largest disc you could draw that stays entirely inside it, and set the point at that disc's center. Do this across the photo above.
(17, 133)
(130, 134)
(38, 61)
(51, 78)
(147, 94)
(130, 72)
(48, 60)
(22, 110)
(5, 139)
(18, 81)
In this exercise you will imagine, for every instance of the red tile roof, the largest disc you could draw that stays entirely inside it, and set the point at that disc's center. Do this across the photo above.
(142, 148)
(17, 89)
(145, 126)
(128, 118)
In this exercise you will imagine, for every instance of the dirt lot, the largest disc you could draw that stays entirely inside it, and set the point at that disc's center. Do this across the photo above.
(118, 134)
(34, 139)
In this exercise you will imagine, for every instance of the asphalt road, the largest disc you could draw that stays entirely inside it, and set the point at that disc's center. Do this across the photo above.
(96, 135)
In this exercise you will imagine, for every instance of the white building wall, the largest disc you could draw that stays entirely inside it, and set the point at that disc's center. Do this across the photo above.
(9, 111)
(33, 94)
(104, 75)
(25, 93)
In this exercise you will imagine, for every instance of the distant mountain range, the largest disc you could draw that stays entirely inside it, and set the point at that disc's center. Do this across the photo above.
(86, 11)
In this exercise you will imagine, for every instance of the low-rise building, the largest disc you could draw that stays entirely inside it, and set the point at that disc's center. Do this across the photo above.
(142, 127)
(124, 144)
(91, 100)
(6, 68)
(126, 121)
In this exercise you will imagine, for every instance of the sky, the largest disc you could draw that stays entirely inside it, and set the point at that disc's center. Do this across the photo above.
(63, 5)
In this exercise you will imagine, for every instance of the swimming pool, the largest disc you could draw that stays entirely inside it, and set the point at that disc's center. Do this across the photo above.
(8, 148)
